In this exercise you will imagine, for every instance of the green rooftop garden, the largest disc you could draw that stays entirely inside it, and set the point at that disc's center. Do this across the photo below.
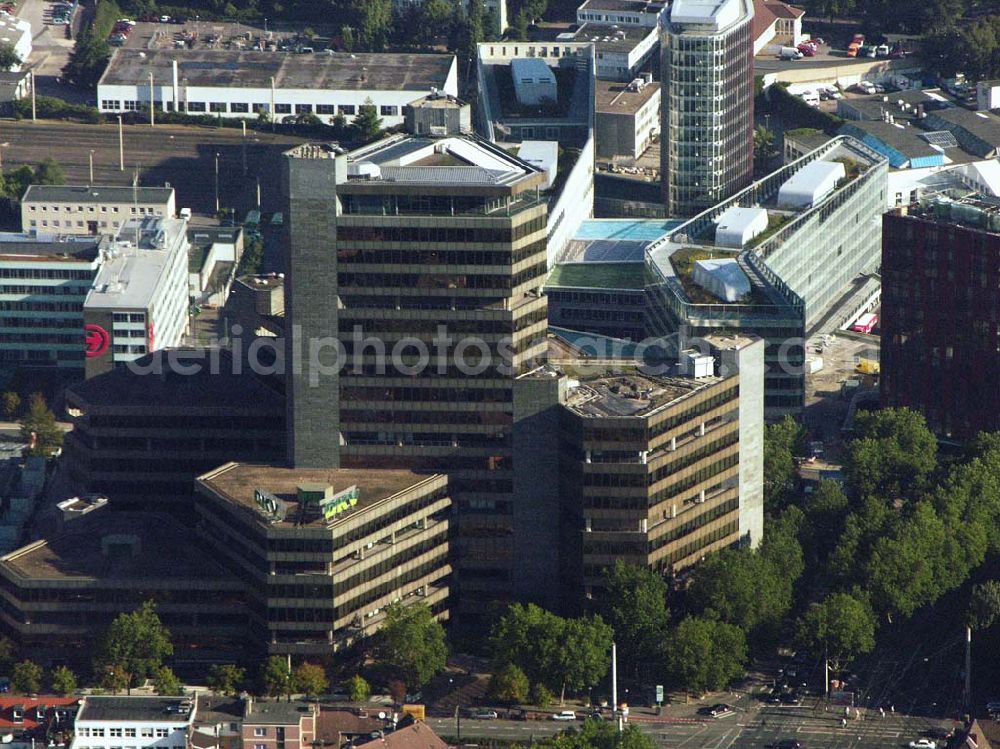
(599, 276)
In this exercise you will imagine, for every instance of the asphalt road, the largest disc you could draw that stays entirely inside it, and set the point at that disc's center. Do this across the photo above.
(751, 728)
(183, 156)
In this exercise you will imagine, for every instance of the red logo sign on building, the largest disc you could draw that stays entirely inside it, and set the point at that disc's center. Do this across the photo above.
(97, 339)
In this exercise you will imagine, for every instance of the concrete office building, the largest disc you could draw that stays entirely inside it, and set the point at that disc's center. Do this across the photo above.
(324, 552)
(808, 267)
(60, 593)
(626, 118)
(91, 209)
(44, 281)
(707, 80)
(940, 311)
(139, 300)
(622, 52)
(398, 239)
(660, 470)
(228, 83)
(644, 13)
(142, 439)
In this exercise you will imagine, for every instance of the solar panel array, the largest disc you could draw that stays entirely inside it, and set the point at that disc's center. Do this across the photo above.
(940, 138)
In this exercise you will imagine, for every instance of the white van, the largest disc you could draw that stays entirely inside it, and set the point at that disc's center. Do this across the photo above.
(811, 98)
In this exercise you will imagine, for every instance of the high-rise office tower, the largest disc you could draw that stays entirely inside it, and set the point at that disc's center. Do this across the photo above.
(707, 103)
(940, 312)
(424, 258)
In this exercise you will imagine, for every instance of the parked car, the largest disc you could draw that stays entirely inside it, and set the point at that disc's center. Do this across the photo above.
(482, 714)
(923, 744)
(788, 744)
(720, 710)
(564, 715)
(789, 53)
(807, 50)
(882, 50)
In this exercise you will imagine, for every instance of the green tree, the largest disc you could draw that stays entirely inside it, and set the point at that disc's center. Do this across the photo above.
(763, 146)
(134, 646)
(412, 643)
(527, 636)
(40, 429)
(634, 603)
(347, 37)
(310, 679)
(593, 734)
(826, 511)
(26, 678)
(167, 683)
(62, 681)
(704, 654)
(11, 404)
(111, 679)
(541, 695)
(893, 456)
(49, 173)
(583, 660)
(984, 605)
(848, 563)
(841, 625)
(510, 684)
(226, 678)
(373, 21)
(8, 655)
(88, 59)
(9, 59)
(434, 16)
(275, 678)
(18, 181)
(358, 690)
(367, 125)
(782, 442)
(519, 32)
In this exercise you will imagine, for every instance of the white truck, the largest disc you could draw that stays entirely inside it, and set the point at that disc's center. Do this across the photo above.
(789, 53)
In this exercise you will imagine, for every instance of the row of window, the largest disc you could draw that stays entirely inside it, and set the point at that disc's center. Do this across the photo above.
(46, 273)
(242, 107)
(141, 210)
(146, 732)
(34, 223)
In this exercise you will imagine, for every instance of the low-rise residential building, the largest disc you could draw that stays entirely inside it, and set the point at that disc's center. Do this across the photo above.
(224, 83)
(659, 470)
(40, 716)
(110, 722)
(91, 209)
(324, 552)
(626, 118)
(142, 439)
(278, 725)
(411, 735)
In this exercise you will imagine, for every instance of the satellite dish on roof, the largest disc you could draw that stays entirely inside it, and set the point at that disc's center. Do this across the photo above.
(381, 715)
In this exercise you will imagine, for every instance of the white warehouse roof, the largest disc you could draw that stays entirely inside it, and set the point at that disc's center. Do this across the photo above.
(810, 184)
(722, 277)
(737, 226)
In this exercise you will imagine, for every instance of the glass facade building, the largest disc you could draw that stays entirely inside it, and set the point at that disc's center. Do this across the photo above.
(707, 103)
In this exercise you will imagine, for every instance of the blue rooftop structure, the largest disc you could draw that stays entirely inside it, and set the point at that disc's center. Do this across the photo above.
(640, 230)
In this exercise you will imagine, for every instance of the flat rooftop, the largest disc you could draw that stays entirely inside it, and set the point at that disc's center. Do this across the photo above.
(907, 140)
(237, 483)
(613, 38)
(449, 161)
(147, 709)
(277, 713)
(129, 277)
(76, 552)
(624, 6)
(631, 275)
(631, 395)
(716, 15)
(96, 194)
(170, 391)
(982, 125)
(16, 247)
(238, 69)
(613, 97)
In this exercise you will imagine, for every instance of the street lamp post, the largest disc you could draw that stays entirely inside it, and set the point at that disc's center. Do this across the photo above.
(121, 145)
(2, 146)
(91, 154)
(217, 206)
(152, 102)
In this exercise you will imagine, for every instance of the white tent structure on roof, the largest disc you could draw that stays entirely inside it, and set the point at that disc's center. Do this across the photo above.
(810, 184)
(738, 225)
(722, 277)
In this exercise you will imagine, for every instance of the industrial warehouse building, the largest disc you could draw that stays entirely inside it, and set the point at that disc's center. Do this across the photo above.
(227, 83)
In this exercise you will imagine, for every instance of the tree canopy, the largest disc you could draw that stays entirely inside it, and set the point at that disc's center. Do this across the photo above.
(634, 603)
(134, 646)
(704, 654)
(412, 644)
(310, 679)
(892, 456)
(841, 625)
(40, 429)
(226, 678)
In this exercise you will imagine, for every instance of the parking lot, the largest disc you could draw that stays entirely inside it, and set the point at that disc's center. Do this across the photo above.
(51, 47)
